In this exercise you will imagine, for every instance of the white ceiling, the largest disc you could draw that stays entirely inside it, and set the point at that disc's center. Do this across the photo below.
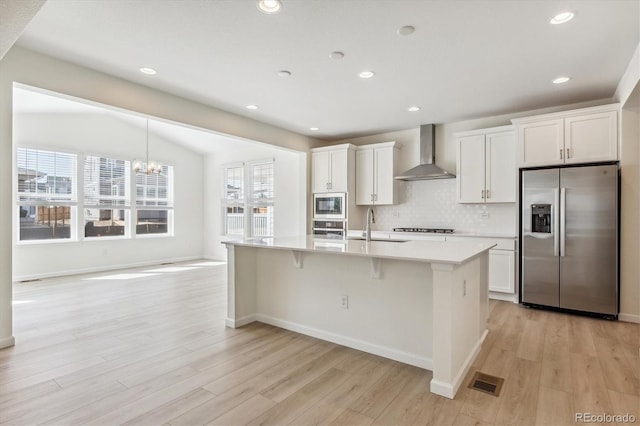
(466, 59)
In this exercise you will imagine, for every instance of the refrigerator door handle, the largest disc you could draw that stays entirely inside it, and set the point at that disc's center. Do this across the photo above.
(556, 226)
(563, 202)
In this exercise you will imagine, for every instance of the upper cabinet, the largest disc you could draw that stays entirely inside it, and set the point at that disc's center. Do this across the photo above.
(486, 166)
(578, 136)
(375, 169)
(330, 168)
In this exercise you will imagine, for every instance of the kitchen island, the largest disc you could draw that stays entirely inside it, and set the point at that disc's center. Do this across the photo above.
(423, 303)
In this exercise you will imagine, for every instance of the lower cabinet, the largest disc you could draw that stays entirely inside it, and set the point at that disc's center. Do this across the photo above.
(502, 266)
(501, 271)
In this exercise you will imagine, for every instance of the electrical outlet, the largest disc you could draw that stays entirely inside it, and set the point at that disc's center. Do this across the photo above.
(344, 301)
(484, 215)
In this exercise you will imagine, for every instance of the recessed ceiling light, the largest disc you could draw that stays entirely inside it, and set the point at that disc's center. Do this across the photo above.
(366, 74)
(314, 129)
(561, 80)
(148, 71)
(269, 6)
(406, 30)
(284, 73)
(561, 18)
(413, 108)
(252, 106)
(336, 55)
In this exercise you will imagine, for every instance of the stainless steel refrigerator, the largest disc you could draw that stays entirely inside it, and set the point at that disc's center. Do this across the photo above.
(569, 238)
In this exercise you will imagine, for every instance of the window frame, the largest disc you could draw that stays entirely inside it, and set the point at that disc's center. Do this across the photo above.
(127, 207)
(247, 202)
(169, 208)
(73, 203)
(77, 204)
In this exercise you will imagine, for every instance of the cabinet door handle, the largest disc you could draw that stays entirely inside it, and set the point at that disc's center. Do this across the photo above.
(488, 194)
(482, 194)
(371, 198)
(561, 154)
(375, 197)
(568, 153)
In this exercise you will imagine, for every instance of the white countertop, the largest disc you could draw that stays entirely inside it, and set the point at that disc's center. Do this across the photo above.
(422, 251)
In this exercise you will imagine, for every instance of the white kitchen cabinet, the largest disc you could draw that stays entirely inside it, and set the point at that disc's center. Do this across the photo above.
(501, 270)
(330, 168)
(486, 167)
(502, 265)
(577, 136)
(375, 169)
(592, 137)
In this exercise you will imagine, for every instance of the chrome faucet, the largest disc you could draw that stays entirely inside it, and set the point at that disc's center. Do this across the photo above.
(366, 232)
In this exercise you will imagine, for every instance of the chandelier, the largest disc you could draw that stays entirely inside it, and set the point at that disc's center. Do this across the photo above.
(147, 167)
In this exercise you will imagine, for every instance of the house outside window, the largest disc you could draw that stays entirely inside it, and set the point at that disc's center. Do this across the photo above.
(107, 200)
(47, 199)
(247, 205)
(154, 202)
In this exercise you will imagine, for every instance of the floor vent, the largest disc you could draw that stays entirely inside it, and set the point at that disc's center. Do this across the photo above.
(486, 383)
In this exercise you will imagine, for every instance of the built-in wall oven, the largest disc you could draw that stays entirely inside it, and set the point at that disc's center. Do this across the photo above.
(334, 229)
(330, 215)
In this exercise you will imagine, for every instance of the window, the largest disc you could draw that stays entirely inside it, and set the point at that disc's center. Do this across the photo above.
(107, 204)
(46, 194)
(261, 199)
(234, 200)
(256, 199)
(154, 202)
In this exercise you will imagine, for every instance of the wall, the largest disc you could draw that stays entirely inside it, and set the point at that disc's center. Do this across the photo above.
(630, 205)
(432, 204)
(628, 94)
(34, 69)
(290, 191)
(107, 134)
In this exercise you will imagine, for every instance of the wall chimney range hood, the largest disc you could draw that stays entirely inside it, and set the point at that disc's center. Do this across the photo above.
(426, 169)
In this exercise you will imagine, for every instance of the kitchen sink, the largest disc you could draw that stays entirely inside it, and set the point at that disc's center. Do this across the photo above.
(389, 240)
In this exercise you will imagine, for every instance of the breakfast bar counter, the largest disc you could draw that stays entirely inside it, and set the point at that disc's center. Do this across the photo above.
(423, 303)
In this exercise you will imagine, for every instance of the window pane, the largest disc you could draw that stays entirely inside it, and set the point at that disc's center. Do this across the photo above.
(106, 182)
(262, 176)
(155, 189)
(45, 222)
(45, 175)
(152, 222)
(262, 223)
(235, 220)
(234, 183)
(104, 223)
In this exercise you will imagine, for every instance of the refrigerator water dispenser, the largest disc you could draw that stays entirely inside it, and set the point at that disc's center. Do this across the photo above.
(541, 218)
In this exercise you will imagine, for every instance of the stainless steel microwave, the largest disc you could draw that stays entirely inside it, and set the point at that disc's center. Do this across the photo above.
(331, 205)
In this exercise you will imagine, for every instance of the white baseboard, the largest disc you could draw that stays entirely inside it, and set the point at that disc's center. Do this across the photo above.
(383, 351)
(231, 323)
(507, 297)
(7, 342)
(449, 390)
(629, 318)
(80, 271)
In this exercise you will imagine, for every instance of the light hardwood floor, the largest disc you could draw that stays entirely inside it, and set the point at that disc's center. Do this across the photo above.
(121, 348)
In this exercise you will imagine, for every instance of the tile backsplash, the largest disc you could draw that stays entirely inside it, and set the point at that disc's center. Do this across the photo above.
(432, 204)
